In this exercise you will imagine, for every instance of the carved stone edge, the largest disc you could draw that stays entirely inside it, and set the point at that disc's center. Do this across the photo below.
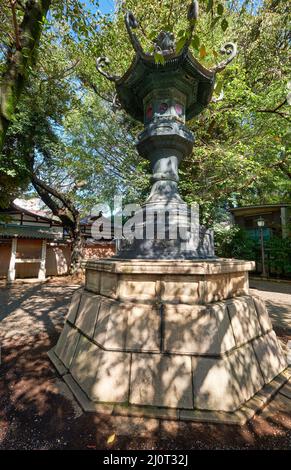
(239, 417)
(215, 266)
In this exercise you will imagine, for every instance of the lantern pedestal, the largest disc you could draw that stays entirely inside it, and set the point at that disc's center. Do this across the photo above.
(170, 339)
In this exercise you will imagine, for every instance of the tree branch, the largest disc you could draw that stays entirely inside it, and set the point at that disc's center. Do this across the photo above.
(65, 201)
(15, 24)
(275, 111)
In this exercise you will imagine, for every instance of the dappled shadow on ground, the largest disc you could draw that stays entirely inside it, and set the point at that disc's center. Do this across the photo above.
(35, 415)
(271, 286)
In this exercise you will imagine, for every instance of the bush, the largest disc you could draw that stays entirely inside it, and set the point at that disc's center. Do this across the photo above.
(278, 251)
(234, 242)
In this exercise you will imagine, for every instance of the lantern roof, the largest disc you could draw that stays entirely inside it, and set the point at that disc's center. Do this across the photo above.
(181, 72)
(173, 71)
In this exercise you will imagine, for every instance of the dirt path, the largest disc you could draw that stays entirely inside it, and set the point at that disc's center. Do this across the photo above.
(37, 411)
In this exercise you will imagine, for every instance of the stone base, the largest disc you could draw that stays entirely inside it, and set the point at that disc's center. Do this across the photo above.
(175, 340)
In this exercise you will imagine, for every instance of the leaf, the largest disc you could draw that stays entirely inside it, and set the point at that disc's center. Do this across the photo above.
(220, 9)
(152, 35)
(180, 44)
(214, 21)
(195, 42)
(111, 439)
(202, 52)
(159, 58)
(218, 87)
(224, 24)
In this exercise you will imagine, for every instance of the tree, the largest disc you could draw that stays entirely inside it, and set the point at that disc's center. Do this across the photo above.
(83, 145)
(23, 28)
(28, 20)
(241, 150)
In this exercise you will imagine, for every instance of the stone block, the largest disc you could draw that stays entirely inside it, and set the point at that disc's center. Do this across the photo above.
(92, 282)
(57, 362)
(110, 329)
(88, 312)
(161, 380)
(197, 329)
(102, 375)
(216, 417)
(224, 339)
(244, 319)
(270, 356)
(286, 390)
(222, 286)
(180, 289)
(238, 284)
(86, 404)
(67, 343)
(133, 288)
(143, 332)
(109, 285)
(225, 384)
(264, 318)
(74, 305)
(214, 287)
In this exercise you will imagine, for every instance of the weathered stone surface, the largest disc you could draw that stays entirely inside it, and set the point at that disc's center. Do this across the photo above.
(225, 384)
(214, 288)
(62, 370)
(223, 286)
(143, 330)
(67, 343)
(197, 329)
(74, 305)
(110, 329)
(85, 403)
(88, 312)
(264, 319)
(109, 285)
(244, 319)
(102, 375)
(92, 282)
(140, 301)
(148, 411)
(161, 380)
(238, 284)
(222, 417)
(224, 338)
(286, 390)
(137, 288)
(210, 266)
(180, 289)
(270, 356)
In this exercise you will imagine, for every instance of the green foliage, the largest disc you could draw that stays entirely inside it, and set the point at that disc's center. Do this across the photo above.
(279, 255)
(234, 242)
(85, 146)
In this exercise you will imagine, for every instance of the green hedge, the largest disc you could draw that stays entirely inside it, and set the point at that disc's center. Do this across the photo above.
(235, 242)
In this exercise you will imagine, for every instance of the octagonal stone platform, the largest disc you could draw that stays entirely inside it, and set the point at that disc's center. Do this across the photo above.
(173, 339)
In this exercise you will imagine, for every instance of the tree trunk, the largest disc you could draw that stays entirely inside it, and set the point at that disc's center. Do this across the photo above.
(77, 251)
(19, 60)
(64, 209)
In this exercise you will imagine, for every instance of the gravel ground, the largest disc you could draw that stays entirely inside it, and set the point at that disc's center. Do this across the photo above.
(37, 411)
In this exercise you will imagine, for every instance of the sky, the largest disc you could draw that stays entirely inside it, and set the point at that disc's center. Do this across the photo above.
(105, 6)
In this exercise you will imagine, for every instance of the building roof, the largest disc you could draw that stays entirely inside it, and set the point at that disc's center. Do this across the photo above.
(258, 209)
(22, 231)
(34, 213)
